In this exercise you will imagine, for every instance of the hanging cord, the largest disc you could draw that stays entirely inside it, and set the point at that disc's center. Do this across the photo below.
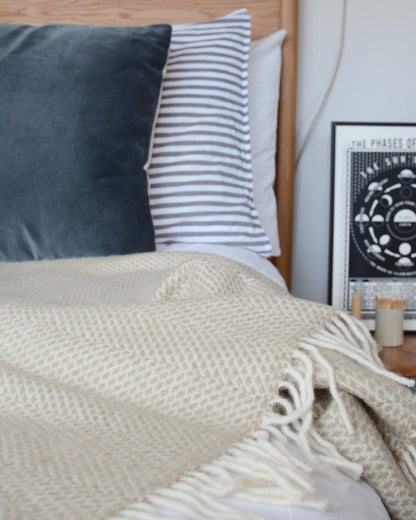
(328, 89)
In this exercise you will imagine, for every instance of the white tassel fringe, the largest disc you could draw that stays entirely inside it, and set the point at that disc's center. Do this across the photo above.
(263, 468)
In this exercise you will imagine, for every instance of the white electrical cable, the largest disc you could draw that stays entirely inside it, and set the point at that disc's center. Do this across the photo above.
(329, 87)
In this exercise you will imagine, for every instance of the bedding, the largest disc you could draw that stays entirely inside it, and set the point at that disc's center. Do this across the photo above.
(263, 100)
(244, 256)
(366, 504)
(201, 185)
(137, 384)
(77, 113)
(83, 215)
(177, 383)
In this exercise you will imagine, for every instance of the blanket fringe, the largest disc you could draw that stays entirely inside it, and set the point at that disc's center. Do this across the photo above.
(265, 468)
(355, 341)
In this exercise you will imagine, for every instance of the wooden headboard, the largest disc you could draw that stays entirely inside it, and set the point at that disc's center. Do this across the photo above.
(267, 16)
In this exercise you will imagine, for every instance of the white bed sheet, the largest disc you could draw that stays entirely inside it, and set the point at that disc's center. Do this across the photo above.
(356, 500)
(350, 500)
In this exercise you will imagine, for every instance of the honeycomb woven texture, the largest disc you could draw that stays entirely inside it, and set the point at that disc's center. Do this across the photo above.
(121, 374)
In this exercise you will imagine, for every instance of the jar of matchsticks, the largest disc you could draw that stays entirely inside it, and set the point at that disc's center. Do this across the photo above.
(389, 320)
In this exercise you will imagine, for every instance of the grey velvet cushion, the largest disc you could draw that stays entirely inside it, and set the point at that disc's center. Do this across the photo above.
(77, 106)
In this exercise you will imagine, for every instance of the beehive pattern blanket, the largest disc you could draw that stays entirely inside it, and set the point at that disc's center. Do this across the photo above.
(135, 385)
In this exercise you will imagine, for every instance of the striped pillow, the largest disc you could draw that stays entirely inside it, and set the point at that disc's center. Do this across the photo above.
(201, 188)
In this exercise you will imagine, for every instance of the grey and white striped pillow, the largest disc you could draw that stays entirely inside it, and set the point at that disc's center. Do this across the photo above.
(201, 188)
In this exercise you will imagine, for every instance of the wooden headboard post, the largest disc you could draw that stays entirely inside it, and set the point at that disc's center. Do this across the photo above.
(267, 16)
(286, 143)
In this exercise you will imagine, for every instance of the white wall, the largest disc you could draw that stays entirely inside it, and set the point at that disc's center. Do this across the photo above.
(376, 82)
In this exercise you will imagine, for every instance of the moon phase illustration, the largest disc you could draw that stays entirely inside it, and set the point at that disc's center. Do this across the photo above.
(383, 206)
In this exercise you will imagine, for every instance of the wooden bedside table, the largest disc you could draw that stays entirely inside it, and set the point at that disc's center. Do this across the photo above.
(401, 360)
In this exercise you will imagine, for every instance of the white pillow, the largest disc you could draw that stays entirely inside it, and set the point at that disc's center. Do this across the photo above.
(200, 178)
(263, 90)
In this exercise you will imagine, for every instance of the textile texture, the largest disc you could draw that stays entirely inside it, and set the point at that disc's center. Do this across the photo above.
(200, 175)
(77, 106)
(143, 383)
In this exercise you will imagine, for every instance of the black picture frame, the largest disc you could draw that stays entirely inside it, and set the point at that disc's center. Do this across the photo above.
(373, 216)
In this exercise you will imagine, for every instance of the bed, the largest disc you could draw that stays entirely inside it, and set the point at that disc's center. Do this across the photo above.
(154, 364)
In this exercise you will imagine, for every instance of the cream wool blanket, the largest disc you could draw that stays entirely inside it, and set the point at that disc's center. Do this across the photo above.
(131, 385)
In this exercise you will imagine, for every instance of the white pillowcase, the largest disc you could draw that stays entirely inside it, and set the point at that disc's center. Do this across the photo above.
(200, 178)
(264, 82)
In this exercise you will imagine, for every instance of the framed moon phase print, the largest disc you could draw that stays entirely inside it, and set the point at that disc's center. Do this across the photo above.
(373, 249)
